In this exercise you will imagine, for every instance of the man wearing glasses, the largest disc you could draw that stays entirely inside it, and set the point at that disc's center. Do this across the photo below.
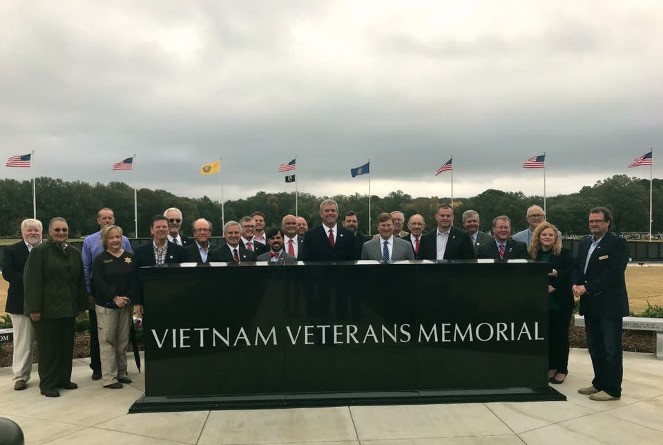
(248, 228)
(535, 216)
(598, 280)
(54, 287)
(174, 217)
(201, 250)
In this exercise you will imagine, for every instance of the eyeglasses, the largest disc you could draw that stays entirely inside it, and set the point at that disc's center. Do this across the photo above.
(596, 221)
(60, 229)
(174, 220)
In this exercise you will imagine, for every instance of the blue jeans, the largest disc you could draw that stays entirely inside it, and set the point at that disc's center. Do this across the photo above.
(604, 340)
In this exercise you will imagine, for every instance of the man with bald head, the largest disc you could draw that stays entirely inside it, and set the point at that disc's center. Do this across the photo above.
(417, 225)
(302, 225)
(535, 216)
(292, 241)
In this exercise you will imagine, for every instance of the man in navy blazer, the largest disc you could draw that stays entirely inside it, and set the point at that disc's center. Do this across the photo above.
(292, 241)
(502, 246)
(329, 241)
(598, 279)
(234, 252)
(201, 250)
(446, 242)
(159, 252)
(13, 263)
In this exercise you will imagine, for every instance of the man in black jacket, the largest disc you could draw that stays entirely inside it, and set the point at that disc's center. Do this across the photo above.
(446, 242)
(13, 263)
(598, 279)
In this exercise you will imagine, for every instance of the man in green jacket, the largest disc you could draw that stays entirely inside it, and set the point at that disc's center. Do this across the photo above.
(54, 287)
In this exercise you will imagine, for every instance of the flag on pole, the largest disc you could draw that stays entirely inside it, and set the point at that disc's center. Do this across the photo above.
(126, 164)
(361, 170)
(19, 161)
(535, 162)
(290, 178)
(288, 167)
(645, 159)
(447, 166)
(210, 168)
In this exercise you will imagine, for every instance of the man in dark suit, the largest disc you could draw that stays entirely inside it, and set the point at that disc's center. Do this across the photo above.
(387, 247)
(174, 217)
(329, 241)
(233, 251)
(446, 242)
(157, 253)
(276, 254)
(502, 247)
(201, 250)
(292, 241)
(598, 279)
(248, 226)
(13, 263)
(471, 223)
(416, 224)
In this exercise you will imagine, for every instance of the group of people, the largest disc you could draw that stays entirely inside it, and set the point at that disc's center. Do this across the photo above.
(56, 281)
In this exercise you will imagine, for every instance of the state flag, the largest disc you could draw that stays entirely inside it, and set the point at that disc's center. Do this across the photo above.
(361, 170)
(210, 168)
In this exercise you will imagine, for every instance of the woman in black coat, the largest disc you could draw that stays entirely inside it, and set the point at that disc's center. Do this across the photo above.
(547, 246)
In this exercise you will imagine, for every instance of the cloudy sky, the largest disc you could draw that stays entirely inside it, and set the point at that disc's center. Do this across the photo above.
(406, 84)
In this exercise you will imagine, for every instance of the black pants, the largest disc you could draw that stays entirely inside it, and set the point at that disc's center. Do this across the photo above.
(604, 340)
(55, 343)
(95, 356)
(558, 339)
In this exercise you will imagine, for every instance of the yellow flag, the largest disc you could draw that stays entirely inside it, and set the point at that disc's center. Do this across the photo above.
(211, 168)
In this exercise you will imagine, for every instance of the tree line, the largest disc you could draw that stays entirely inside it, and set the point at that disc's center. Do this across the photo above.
(78, 202)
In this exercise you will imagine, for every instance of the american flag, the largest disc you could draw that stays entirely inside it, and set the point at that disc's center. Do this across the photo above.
(645, 159)
(19, 161)
(535, 162)
(288, 167)
(127, 164)
(447, 166)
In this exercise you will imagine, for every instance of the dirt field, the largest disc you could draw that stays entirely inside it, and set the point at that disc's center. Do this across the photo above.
(643, 282)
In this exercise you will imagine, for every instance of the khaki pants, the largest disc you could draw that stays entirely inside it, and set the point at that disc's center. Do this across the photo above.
(24, 339)
(113, 329)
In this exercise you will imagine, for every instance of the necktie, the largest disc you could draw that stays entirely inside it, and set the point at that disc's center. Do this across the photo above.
(331, 238)
(501, 249)
(291, 248)
(235, 256)
(249, 245)
(274, 256)
(385, 252)
(416, 245)
(175, 241)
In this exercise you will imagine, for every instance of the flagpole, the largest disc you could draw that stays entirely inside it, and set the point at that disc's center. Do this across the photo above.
(651, 182)
(544, 184)
(369, 198)
(223, 203)
(452, 184)
(34, 192)
(296, 193)
(135, 200)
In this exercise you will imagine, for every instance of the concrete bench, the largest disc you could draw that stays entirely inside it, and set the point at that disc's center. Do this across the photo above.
(638, 324)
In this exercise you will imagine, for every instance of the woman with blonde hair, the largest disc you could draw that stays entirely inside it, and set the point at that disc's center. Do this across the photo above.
(546, 246)
(111, 282)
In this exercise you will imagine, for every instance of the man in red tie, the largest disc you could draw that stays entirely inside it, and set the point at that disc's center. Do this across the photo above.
(503, 247)
(292, 241)
(276, 254)
(416, 224)
(234, 251)
(329, 241)
(248, 228)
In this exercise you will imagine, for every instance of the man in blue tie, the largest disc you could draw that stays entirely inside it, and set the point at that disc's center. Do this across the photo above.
(387, 247)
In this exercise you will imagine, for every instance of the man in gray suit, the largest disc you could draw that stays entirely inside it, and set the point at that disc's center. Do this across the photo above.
(471, 226)
(276, 254)
(387, 247)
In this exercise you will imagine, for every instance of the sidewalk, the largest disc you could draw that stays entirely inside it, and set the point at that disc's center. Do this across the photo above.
(92, 414)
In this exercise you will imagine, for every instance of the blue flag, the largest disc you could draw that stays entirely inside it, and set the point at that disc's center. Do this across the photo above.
(361, 170)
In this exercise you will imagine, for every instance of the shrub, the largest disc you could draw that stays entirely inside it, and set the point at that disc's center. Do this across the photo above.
(655, 311)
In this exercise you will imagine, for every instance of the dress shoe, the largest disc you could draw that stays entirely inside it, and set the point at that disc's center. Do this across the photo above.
(20, 385)
(116, 385)
(70, 385)
(124, 379)
(96, 375)
(602, 396)
(588, 391)
(50, 392)
(558, 380)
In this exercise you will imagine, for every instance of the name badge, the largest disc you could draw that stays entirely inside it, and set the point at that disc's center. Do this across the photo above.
(604, 257)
